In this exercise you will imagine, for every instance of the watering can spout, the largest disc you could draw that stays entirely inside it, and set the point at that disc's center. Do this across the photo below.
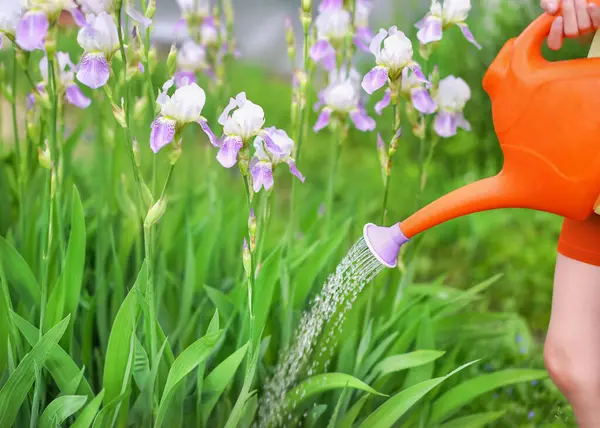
(488, 194)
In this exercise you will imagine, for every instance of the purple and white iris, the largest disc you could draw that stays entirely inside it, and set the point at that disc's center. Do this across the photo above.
(333, 24)
(392, 59)
(264, 160)
(414, 89)
(191, 58)
(176, 111)
(65, 83)
(100, 40)
(209, 34)
(10, 15)
(96, 6)
(343, 97)
(441, 17)
(363, 35)
(40, 14)
(452, 95)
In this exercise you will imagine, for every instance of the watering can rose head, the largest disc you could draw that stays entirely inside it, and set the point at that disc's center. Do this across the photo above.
(176, 111)
(441, 17)
(395, 55)
(342, 97)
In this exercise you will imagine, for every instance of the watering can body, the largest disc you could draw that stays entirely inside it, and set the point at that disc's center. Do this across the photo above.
(547, 119)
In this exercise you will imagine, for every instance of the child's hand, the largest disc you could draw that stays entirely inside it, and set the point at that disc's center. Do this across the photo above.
(578, 18)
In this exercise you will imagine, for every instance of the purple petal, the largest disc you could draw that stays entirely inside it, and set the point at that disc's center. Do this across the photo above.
(374, 79)
(93, 70)
(363, 37)
(419, 24)
(30, 101)
(320, 103)
(227, 156)
(32, 30)
(380, 143)
(184, 78)
(139, 17)
(270, 144)
(294, 170)
(163, 131)
(384, 102)
(75, 97)
(461, 122)
(323, 120)
(445, 124)
(141, 67)
(329, 4)
(422, 101)
(323, 53)
(362, 121)
(430, 30)
(212, 138)
(414, 67)
(78, 17)
(262, 175)
(468, 35)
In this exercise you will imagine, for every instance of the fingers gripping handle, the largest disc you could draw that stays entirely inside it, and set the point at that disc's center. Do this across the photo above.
(528, 46)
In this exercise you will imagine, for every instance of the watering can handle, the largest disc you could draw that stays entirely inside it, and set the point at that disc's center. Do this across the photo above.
(532, 38)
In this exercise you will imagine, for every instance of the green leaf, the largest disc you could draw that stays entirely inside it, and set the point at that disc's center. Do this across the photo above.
(351, 415)
(314, 415)
(105, 416)
(240, 404)
(263, 291)
(18, 274)
(184, 364)
(141, 365)
(60, 409)
(396, 363)
(310, 268)
(66, 294)
(15, 390)
(393, 409)
(61, 366)
(118, 350)
(336, 411)
(324, 382)
(478, 420)
(86, 417)
(465, 392)
(221, 376)
(425, 340)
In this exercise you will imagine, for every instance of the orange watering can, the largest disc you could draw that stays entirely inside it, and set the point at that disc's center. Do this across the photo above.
(547, 118)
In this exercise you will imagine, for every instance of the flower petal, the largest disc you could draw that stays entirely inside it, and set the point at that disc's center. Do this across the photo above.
(363, 37)
(225, 115)
(375, 45)
(163, 131)
(93, 70)
(262, 175)
(445, 124)
(139, 17)
(374, 79)
(294, 170)
(362, 121)
(461, 122)
(430, 30)
(422, 101)
(414, 67)
(384, 102)
(323, 120)
(468, 35)
(184, 78)
(270, 144)
(230, 148)
(212, 138)
(78, 16)
(75, 97)
(323, 53)
(32, 30)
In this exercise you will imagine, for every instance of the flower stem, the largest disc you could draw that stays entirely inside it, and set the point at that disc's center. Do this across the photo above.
(388, 170)
(18, 160)
(264, 226)
(250, 275)
(337, 140)
(151, 95)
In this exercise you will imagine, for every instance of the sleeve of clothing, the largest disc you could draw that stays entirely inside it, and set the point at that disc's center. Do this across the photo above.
(580, 240)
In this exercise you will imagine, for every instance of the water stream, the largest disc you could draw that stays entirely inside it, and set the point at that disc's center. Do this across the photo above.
(339, 292)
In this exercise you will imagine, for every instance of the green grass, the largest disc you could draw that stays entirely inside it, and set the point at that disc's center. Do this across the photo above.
(451, 340)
